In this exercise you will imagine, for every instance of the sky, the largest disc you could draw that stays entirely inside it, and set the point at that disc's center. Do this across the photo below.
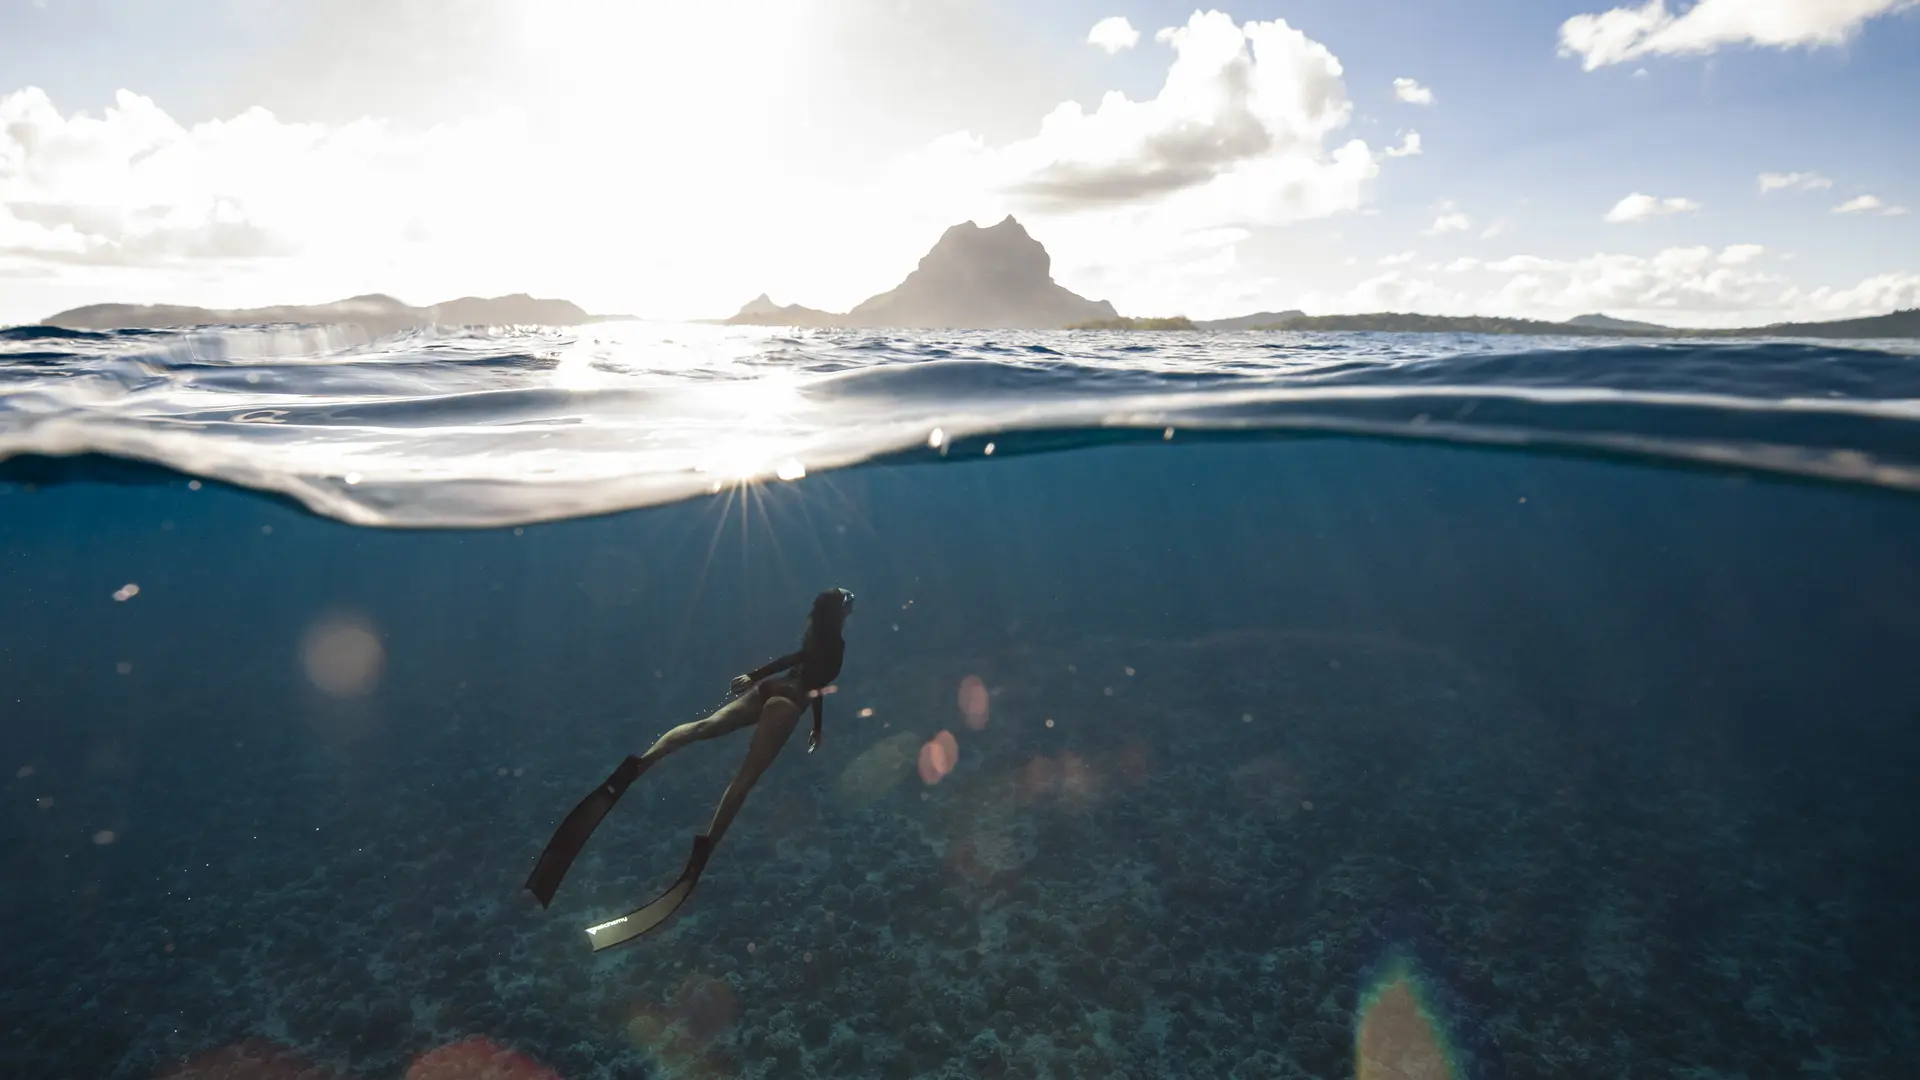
(1692, 162)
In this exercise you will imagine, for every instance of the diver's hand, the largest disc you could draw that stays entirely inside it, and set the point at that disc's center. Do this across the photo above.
(741, 683)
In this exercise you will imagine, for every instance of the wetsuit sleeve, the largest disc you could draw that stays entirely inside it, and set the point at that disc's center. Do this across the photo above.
(741, 682)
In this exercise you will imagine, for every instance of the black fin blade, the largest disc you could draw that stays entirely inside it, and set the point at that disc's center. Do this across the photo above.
(573, 832)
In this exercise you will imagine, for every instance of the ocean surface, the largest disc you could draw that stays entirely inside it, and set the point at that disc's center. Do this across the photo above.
(1215, 705)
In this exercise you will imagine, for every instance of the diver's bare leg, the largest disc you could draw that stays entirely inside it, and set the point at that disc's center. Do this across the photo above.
(578, 825)
(777, 721)
(741, 712)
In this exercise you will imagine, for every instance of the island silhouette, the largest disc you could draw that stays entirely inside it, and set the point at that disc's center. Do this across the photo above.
(973, 278)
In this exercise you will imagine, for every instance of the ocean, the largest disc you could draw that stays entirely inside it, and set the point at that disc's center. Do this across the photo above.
(1214, 705)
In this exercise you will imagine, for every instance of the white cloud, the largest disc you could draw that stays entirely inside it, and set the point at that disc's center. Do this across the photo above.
(1411, 92)
(1793, 181)
(1681, 286)
(1401, 259)
(1498, 228)
(1114, 34)
(1625, 33)
(1409, 146)
(1242, 118)
(1868, 204)
(1451, 221)
(1874, 296)
(1638, 207)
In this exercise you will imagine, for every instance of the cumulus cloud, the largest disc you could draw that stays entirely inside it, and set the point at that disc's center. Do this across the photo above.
(1114, 34)
(1793, 181)
(1874, 296)
(1411, 92)
(1868, 204)
(1450, 220)
(1733, 285)
(1409, 145)
(1638, 207)
(1244, 114)
(1625, 33)
(1694, 281)
(1401, 259)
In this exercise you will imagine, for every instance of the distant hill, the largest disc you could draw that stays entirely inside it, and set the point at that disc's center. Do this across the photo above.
(1608, 322)
(1899, 324)
(377, 313)
(1174, 322)
(762, 311)
(1251, 322)
(973, 278)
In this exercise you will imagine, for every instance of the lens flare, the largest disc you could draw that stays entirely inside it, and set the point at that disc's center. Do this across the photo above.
(1398, 1037)
(973, 702)
(938, 757)
(343, 656)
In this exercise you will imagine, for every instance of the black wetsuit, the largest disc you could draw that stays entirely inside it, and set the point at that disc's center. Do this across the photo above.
(814, 666)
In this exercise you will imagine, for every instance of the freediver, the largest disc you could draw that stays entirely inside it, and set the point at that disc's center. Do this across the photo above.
(769, 699)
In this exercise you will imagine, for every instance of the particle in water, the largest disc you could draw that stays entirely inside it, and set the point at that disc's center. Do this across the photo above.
(1049, 721)
(520, 771)
(126, 592)
(23, 772)
(1129, 671)
(1167, 434)
(124, 667)
(989, 450)
(936, 438)
(266, 530)
(193, 485)
(103, 837)
(864, 713)
(1246, 718)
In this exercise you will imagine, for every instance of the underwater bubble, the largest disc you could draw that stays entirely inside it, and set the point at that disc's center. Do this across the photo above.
(343, 656)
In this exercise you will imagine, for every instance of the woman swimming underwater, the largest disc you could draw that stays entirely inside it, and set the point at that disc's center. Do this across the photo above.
(770, 700)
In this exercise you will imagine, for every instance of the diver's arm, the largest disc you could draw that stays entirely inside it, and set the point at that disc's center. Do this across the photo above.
(741, 682)
(813, 738)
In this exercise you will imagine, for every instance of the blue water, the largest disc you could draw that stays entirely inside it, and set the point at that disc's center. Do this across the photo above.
(1576, 681)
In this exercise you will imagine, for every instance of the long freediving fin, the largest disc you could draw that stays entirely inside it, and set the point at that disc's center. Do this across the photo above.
(578, 825)
(639, 921)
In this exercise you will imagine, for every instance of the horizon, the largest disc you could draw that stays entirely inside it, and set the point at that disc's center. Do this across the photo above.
(1702, 165)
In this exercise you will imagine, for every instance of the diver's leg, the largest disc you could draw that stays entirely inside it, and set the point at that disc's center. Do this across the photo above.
(736, 714)
(777, 721)
(578, 825)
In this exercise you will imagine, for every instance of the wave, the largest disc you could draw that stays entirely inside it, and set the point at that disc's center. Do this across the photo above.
(478, 429)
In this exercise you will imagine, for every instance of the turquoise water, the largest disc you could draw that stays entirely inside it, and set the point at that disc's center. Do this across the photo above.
(1511, 707)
